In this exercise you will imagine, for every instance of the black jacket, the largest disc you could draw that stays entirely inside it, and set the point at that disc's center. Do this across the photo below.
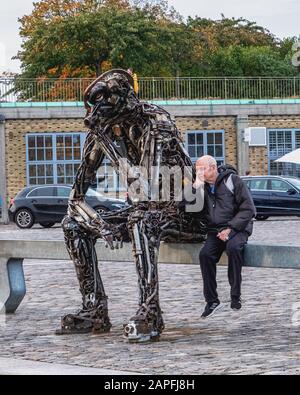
(231, 205)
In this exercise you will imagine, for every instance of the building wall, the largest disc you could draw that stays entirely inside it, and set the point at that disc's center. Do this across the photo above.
(228, 124)
(16, 131)
(258, 156)
(258, 161)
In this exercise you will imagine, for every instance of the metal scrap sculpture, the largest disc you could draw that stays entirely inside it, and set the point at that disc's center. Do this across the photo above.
(147, 137)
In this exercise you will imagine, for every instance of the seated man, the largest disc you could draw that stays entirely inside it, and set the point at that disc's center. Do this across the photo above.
(228, 210)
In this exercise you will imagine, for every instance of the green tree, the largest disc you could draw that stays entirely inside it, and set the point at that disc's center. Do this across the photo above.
(238, 47)
(250, 62)
(82, 38)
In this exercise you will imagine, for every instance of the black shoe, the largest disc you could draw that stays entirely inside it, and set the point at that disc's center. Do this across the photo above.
(236, 304)
(210, 309)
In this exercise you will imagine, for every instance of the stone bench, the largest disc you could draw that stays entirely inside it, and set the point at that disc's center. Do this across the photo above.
(13, 253)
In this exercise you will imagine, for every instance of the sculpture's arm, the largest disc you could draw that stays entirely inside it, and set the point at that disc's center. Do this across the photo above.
(78, 208)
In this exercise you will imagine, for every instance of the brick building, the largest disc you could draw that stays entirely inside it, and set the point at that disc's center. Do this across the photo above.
(41, 143)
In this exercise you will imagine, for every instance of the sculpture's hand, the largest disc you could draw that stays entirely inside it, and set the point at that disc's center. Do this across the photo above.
(109, 233)
(95, 224)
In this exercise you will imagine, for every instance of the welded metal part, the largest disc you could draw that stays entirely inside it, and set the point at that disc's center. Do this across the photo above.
(147, 138)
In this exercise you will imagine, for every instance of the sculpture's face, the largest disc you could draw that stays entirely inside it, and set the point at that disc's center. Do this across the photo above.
(109, 89)
(109, 92)
(110, 100)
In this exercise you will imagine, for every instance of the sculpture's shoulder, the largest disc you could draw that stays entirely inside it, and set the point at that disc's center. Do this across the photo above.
(149, 108)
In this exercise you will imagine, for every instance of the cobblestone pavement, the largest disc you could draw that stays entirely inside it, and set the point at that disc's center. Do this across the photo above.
(263, 338)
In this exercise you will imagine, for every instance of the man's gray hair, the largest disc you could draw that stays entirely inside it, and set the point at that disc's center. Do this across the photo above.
(209, 159)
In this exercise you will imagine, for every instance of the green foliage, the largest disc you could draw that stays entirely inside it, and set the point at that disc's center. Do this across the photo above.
(250, 62)
(73, 38)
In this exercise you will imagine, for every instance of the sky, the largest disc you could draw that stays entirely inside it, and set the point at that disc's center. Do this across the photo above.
(281, 17)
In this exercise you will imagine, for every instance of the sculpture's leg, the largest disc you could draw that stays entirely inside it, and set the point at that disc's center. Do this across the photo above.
(93, 317)
(147, 324)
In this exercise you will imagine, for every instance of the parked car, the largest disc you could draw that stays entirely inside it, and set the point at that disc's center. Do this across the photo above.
(274, 195)
(48, 204)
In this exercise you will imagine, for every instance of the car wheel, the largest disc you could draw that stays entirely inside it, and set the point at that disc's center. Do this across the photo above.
(24, 219)
(100, 210)
(261, 217)
(47, 224)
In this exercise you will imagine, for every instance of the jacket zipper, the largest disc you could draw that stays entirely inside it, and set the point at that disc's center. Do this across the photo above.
(214, 205)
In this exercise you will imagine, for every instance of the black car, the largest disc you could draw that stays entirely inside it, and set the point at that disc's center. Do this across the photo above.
(274, 195)
(48, 205)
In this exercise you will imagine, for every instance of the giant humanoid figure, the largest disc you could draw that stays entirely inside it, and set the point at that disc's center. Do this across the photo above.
(146, 136)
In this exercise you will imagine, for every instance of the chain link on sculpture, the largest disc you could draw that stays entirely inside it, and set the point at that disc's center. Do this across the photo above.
(148, 138)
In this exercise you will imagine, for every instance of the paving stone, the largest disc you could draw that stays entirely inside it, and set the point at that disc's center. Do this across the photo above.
(260, 339)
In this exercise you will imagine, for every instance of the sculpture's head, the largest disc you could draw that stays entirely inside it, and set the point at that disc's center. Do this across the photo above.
(110, 93)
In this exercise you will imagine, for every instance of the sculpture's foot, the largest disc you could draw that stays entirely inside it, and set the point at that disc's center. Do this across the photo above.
(140, 332)
(143, 328)
(83, 322)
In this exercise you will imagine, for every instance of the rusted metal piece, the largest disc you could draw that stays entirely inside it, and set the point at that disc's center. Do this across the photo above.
(148, 138)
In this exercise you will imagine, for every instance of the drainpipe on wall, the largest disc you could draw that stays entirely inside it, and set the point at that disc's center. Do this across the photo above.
(242, 123)
(3, 191)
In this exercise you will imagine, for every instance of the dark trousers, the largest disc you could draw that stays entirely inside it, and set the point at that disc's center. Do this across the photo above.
(210, 256)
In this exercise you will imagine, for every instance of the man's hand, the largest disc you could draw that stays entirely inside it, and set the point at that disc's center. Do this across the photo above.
(199, 181)
(224, 235)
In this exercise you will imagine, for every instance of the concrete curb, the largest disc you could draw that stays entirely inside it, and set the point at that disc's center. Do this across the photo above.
(11, 366)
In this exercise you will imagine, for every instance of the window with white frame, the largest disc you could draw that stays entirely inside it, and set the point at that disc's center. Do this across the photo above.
(206, 142)
(281, 142)
(111, 180)
(53, 158)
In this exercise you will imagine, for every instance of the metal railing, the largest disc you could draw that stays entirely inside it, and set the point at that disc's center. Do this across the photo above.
(42, 90)
(154, 88)
(219, 88)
